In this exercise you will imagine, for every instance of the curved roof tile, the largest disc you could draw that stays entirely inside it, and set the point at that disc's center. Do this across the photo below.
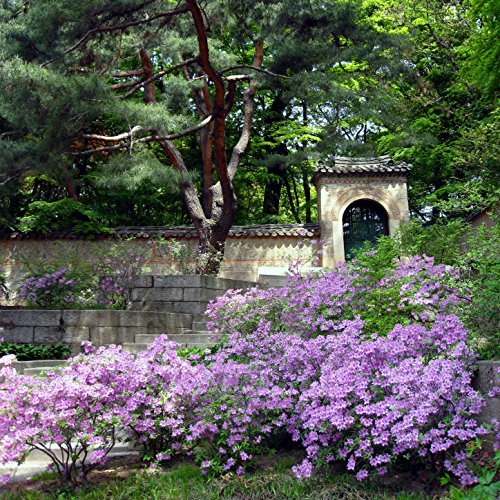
(342, 165)
(184, 232)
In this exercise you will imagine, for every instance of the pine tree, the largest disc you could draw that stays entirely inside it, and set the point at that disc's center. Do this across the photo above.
(149, 87)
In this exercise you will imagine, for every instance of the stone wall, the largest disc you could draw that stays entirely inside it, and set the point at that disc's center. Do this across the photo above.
(100, 327)
(161, 304)
(246, 251)
(486, 379)
(184, 294)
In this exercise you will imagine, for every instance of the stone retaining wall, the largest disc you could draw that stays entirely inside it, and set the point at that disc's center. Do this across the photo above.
(486, 379)
(100, 327)
(161, 304)
(184, 294)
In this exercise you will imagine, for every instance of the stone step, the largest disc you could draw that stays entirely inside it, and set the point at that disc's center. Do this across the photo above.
(40, 371)
(184, 338)
(200, 326)
(186, 341)
(187, 308)
(136, 348)
(35, 363)
(34, 367)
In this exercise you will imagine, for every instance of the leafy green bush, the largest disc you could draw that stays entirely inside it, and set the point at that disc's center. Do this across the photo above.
(30, 352)
(442, 240)
(472, 251)
(104, 281)
(184, 259)
(480, 265)
(46, 217)
(488, 487)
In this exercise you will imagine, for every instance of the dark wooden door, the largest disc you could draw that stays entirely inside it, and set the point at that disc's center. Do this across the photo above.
(363, 221)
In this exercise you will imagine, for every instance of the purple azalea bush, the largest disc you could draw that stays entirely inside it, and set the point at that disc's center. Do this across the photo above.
(105, 282)
(306, 361)
(64, 417)
(114, 276)
(76, 414)
(60, 288)
(413, 292)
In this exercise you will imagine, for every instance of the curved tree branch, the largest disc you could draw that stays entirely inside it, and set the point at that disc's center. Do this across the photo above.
(138, 85)
(113, 138)
(119, 27)
(254, 68)
(150, 138)
(248, 98)
(127, 74)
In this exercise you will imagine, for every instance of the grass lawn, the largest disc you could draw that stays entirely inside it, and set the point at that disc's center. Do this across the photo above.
(272, 478)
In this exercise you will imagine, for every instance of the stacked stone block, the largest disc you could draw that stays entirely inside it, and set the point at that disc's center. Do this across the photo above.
(171, 305)
(99, 327)
(183, 294)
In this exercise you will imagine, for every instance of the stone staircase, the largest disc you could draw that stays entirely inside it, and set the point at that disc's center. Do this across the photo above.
(38, 367)
(197, 336)
(161, 305)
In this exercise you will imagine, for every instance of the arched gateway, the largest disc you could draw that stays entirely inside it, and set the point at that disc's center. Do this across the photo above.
(359, 199)
(363, 220)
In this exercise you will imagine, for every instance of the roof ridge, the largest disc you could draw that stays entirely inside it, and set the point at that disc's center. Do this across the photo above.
(346, 165)
(269, 230)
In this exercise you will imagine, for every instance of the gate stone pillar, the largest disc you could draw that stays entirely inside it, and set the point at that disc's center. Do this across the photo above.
(342, 181)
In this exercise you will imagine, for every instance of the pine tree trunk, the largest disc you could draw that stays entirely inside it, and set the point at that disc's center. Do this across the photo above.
(276, 173)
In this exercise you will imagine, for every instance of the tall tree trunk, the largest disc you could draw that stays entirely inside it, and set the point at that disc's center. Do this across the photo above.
(214, 222)
(69, 184)
(272, 190)
(305, 174)
(276, 172)
(293, 205)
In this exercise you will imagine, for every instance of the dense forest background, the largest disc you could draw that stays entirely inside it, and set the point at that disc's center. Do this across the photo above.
(107, 107)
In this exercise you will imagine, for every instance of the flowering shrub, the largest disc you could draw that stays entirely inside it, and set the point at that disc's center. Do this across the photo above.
(114, 276)
(416, 291)
(82, 408)
(63, 416)
(305, 361)
(368, 402)
(56, 289)
(413, 291)
(163, 393)
(379, 400)
(471, 250)
(104, 282)
(391, 378)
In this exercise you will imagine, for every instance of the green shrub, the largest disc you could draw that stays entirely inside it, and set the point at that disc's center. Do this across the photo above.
(30, 352)
(473, 251)
(442, 240)
(480, 264)
(46, 217)
(184, 259)
(488, 487)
